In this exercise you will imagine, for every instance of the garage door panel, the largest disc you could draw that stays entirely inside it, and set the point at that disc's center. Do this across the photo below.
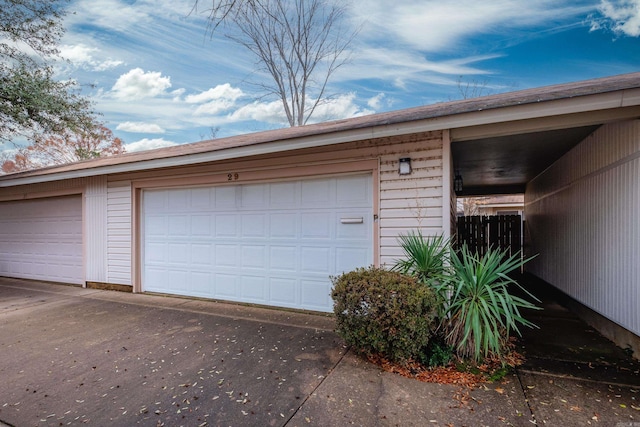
(314, 295)
(316, 193)
(225, 197)
(179, 198)
(254, 257)
(200, 199)
(353, 191)
(253, 197)
(226, 286)
(227, 256)
(283, 225)
(178, 253)
(274, 243)
(283, 291)
(348, 259)
(200, 282)
(283, 258)
(42, 239)
(202, 254)
(200, 225)
(253, 225)
(156, 201)
(226, 225)
(156, 277)
(315, 260)
(254, 289)
(316, 225)
(283, 194)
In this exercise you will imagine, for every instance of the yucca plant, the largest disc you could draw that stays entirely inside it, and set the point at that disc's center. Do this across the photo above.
(481, 311)
(424, 256)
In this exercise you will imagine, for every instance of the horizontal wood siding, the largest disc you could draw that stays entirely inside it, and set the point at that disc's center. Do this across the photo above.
(410, 202)
(41, 190)
(118, 232)
(582, 218)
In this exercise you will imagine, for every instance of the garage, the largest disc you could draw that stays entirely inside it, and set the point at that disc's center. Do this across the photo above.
(41, 239)
(271, 243)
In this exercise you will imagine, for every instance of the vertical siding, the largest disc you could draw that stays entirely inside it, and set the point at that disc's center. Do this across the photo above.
(95, 229)
(582, 215)
(118, 246)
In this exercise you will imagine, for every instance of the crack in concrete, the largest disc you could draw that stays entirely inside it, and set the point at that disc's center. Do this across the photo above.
(332, 369)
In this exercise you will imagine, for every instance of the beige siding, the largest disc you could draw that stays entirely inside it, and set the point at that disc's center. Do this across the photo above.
(95, 229)
(118, 248)
(70, 186)
(410, 202)
(582, 216)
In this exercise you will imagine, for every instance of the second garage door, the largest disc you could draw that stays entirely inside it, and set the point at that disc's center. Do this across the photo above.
(42, 239)
(272, 243)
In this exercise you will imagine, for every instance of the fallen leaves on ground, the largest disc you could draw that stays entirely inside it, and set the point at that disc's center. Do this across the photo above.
(441, 375)
(451, 374)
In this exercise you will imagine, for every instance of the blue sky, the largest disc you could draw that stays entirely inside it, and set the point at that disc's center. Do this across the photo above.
(158, 79)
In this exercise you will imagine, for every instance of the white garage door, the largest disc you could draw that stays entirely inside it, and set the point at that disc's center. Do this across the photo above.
(42, 239)
(274, 243)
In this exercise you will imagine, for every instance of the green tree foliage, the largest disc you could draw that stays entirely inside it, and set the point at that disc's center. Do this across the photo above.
(32, 101)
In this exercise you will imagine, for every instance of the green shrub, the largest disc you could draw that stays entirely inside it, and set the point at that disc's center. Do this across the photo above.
(381, 312)
(424, 257)
(481, 311)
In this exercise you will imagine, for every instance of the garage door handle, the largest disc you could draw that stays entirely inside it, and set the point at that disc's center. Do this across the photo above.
(359, 220)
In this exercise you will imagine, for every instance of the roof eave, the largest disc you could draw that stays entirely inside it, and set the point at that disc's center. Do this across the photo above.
(340, 132)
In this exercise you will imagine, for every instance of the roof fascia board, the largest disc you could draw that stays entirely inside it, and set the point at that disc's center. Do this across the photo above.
(544, 124)
(509, 113)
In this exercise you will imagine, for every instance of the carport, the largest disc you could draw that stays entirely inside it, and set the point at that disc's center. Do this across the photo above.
(579, 171)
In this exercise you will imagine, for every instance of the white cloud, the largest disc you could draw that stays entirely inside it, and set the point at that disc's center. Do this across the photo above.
(83, 56)
(140, 127)
(340, 107)
(376, 101)
(137, 84)
(269, 112)
(107, 65)
(215, 100)
(148, 144)
(624, 17)
(224, 91)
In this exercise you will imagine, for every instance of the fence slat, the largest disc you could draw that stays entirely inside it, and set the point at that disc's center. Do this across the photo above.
(480, 233)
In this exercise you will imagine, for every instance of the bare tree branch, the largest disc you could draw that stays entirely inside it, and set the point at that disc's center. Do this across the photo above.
(298, 43)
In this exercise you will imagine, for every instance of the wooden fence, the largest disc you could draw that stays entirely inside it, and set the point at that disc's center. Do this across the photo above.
(480, 233)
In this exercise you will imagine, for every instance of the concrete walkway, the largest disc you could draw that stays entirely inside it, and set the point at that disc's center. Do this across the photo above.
(73, 356)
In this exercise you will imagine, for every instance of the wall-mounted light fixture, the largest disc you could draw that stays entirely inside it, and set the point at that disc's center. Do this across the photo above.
(457, 183)
(405, 166)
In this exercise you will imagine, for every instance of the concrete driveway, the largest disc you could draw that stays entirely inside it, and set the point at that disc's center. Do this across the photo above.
(73, 356)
